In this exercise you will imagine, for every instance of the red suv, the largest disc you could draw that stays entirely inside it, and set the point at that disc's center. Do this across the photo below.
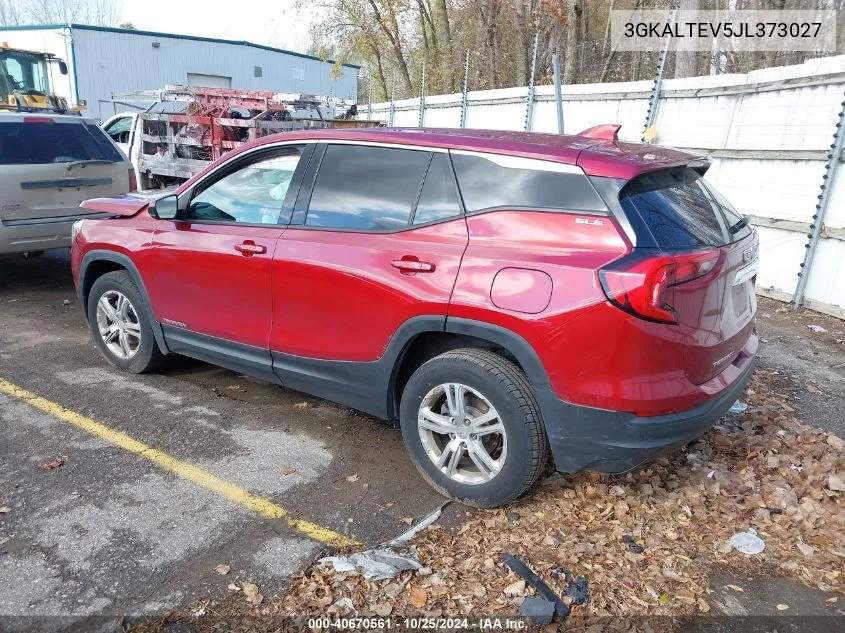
(498, 294)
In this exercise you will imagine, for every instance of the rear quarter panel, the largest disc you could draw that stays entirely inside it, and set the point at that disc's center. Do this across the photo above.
(566, 248)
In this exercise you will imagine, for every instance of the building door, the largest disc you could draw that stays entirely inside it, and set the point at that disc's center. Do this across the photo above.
(209, 81)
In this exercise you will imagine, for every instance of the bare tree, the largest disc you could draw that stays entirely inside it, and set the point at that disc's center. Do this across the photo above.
(10, 12)
(96, 12)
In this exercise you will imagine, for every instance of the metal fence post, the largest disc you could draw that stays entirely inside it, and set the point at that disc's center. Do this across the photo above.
(529, 102)
(558, 96)
(392, 103)
(422, 98)
(816, 226)
(465, 94)
(654, 99)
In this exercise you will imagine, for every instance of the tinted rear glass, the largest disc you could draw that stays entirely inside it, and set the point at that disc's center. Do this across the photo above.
(679, 210)
(42, 143)
(366, 188)
(439, 197)
(488, 185)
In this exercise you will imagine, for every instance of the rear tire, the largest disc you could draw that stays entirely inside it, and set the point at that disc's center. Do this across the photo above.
(117, 316)
(473, 427)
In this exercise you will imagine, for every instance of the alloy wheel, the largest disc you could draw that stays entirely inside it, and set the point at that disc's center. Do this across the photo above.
(462, 433)
(118, 324)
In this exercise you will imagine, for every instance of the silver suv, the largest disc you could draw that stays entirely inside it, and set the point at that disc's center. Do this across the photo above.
(49, 164)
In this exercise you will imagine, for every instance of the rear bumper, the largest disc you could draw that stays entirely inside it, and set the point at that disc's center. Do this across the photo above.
(37, 235)
(611, 441)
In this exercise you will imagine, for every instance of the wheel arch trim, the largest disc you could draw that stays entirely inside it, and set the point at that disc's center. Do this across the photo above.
(508, 340)
(126, 263)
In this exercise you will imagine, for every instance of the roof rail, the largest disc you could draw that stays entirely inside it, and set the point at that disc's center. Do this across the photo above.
(603, 132)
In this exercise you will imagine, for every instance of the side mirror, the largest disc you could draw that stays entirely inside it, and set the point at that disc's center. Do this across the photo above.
(167, 208)
(62, 67)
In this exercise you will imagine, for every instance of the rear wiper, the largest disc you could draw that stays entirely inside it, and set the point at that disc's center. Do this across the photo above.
(740, 224)
(83, 163)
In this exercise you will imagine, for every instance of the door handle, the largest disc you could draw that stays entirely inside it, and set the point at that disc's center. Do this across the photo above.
(410, 265)
(249, 248)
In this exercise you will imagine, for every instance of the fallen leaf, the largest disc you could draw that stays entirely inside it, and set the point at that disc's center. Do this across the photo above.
(287, 470)
(836, 481)
(249, 589)
(736, 588)
(515, 589)
(383, 609)
(222, 569)
(233, 587)
(255, 600)
(407, 520)
(353, 478)
(782, 607)
(52, 463)
(805, 549)
(234, 387)
(199, 610)
(833, 599)
(813, 389)
(5, 510)
(301, 405)
(418, 597)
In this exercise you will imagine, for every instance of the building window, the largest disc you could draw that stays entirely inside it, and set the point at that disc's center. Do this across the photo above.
(258, 71)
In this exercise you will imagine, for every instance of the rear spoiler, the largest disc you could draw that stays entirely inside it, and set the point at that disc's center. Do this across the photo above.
(603, 132)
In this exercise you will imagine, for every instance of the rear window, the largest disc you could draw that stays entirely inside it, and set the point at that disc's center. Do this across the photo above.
(41, 143)
(677, 210)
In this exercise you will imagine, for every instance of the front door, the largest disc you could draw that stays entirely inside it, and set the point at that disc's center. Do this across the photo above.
(377, 241)
(212, 280)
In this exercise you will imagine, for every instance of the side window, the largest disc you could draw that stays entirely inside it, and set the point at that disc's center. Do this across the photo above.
(253, 194)
(439, 198)
(489, 182)
(366, 188)
(119, 130)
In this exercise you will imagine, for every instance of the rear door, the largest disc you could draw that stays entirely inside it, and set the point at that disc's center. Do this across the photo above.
(49, 165)
(377, 241)
(677, 211)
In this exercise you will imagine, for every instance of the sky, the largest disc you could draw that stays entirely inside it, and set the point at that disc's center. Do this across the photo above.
(276, 23)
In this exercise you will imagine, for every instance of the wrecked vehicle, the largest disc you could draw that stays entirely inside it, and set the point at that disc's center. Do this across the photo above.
(498, 294)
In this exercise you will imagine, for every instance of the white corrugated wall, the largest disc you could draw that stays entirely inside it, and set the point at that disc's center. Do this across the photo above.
(767, 133)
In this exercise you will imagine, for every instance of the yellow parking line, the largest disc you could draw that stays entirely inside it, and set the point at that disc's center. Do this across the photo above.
(202, 478)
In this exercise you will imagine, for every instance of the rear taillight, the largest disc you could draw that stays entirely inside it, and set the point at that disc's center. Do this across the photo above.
(133, 180)
(639, 283)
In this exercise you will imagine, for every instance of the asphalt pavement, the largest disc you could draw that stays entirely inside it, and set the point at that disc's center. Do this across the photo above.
(230, 471)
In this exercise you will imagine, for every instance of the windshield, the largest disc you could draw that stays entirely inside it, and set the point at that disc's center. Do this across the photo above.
(23, 72)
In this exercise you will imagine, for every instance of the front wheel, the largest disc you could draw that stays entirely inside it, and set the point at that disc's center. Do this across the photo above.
(119, 323)
(473, 427)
